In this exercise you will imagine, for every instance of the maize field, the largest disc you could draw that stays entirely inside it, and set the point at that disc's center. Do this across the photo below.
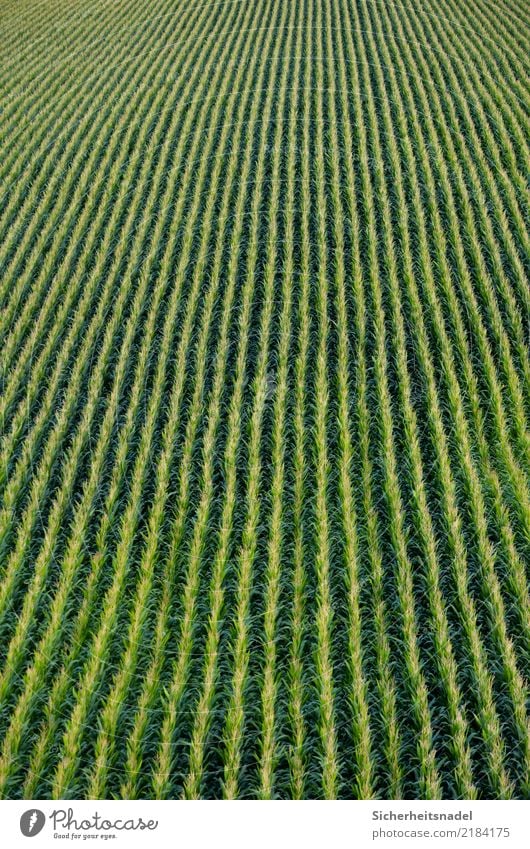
(264, 399)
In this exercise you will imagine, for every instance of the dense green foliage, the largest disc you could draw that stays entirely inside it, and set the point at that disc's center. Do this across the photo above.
(265, 392)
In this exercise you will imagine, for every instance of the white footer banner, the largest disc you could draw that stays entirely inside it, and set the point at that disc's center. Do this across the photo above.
(271, 825)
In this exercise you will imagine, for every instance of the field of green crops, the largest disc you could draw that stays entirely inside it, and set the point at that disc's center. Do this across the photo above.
(264, 399)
